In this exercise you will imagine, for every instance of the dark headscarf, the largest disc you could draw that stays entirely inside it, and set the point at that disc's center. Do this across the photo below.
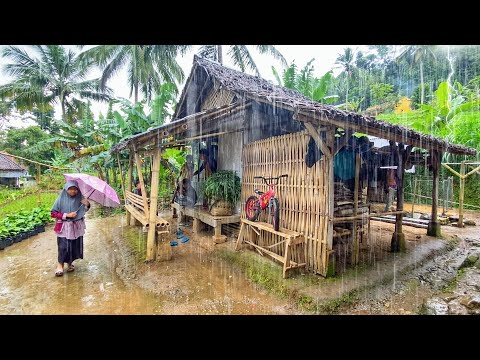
(66, 204)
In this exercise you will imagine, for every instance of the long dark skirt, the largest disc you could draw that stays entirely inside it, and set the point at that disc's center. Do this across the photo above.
(69, 250)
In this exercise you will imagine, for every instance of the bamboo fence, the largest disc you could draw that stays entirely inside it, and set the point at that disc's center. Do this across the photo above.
(303, 195)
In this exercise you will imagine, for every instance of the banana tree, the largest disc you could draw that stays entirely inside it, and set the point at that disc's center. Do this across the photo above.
(304, 82)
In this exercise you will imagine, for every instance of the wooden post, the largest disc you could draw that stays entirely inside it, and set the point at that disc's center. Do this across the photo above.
(39, 200)
(121, 176)
(415, 183)
(142, 183)
(356, 247)
(462, 193)
(152, 229)
(434, 228)
(398, 237)
(129, 184)
(330, 255)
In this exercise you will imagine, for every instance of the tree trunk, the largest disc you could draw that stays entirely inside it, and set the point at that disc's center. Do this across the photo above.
(422, 90)
(220, 54)
(99, 170)
(114, 172)
(107, 176)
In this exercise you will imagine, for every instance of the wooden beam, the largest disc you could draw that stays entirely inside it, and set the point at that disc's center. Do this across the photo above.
(121, 176)
(198, 137)
(318, 140)
(394, 135)
(142, 183)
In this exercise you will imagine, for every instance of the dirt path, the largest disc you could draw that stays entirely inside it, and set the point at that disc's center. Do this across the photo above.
(110, 279)
(445, 284)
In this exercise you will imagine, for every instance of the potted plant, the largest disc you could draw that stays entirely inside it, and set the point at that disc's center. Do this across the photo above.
(223, 191)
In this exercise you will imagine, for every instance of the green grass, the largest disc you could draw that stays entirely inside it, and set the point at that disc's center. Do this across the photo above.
(28, 203)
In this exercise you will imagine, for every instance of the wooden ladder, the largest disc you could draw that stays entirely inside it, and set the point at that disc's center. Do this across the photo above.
(290, 239)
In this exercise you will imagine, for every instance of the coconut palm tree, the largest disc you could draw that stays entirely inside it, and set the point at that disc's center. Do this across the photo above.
(346, 61)
(148, 65)
(240, 55)
(56, 76)
(416, 54)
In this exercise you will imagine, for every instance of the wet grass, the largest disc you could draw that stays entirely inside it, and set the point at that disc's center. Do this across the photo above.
(260, 271)
(268, 275)
(137, 242)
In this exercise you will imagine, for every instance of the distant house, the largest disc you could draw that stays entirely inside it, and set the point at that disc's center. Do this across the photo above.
(10, 171)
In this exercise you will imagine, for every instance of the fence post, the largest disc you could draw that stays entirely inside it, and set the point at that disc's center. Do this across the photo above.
(414, 192)
(461, 195)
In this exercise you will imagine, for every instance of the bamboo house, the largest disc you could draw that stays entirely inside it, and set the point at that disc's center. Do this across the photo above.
(259, 129)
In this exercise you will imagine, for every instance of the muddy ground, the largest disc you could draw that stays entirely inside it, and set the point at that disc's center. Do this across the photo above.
(113, 278)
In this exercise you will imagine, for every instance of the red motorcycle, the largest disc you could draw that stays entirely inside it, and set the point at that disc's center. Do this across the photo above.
(255, 204)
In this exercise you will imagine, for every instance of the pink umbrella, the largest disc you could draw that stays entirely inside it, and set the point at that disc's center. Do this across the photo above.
(95, 189)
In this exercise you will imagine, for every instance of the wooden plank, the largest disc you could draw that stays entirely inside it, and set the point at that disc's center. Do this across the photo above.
(404, 222)
(318, 140)
(142, 184)
(240, 237)
(136, 214)
(269, 227)
(268, 252)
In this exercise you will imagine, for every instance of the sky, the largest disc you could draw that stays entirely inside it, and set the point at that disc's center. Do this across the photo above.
(324, 56)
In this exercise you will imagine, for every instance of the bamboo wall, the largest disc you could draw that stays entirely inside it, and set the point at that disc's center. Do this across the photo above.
(303, 196)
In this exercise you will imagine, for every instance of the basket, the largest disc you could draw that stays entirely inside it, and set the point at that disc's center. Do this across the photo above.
(221, 208)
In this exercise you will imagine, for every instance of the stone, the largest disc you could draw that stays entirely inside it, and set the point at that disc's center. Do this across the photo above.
(436, 306)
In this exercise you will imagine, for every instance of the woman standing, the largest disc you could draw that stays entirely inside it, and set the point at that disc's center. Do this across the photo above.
(69, 210)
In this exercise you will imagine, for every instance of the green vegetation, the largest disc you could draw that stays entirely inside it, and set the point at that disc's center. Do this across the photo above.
(223, 185)
(268, 274)
(28, 203)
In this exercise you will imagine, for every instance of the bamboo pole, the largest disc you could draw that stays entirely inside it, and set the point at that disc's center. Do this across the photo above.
(329, 194)
(142, 183)
(461, 195)
(414, 192)
(36, 162)
(356, 247)
(39, 200)
(121, 176)
(364, 216)
(129, 183)
(152, 230)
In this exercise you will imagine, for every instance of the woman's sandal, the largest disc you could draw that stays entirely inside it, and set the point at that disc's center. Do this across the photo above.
(58, 272)
(71, 268)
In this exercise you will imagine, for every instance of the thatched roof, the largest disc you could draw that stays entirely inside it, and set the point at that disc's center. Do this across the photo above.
(7, 164)
(254, 87)
(171, 128)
